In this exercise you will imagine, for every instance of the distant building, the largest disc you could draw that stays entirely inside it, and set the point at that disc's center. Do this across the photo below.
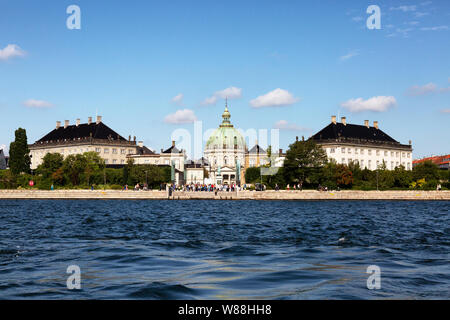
(225, 151)
(256, 156)
(169, 156)
(366, 145)
(80, 138)
(196, 171)
(3, 160)
(443, 162)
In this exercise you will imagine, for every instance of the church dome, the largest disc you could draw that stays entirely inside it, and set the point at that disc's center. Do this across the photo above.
(226, 136)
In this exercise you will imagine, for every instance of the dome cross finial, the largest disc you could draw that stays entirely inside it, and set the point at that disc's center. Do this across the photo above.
(226, 116)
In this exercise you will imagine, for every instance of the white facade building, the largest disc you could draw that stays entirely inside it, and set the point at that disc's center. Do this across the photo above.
(369, 146)
(80, 138)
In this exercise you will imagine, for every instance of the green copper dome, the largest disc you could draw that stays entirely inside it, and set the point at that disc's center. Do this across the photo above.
(226, 135)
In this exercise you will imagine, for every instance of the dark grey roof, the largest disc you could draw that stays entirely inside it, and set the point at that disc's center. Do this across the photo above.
(94, 130)
(144, 151)
(202, 161)
(172, 149)
(352, 131)
(3, 163)
(257, 149)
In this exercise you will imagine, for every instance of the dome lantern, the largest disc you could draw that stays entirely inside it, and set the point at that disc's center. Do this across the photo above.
(226, 116)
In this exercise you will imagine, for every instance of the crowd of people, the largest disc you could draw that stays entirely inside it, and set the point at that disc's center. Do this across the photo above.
(196, 187)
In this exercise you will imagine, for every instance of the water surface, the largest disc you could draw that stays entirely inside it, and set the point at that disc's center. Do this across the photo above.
(205, 249)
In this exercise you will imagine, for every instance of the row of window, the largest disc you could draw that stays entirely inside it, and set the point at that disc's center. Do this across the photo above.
(114, 161)
(114, 151)
(98, 150)
(392, 165)
(369, 152)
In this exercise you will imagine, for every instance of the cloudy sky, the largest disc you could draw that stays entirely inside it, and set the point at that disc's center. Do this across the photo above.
(150, 67)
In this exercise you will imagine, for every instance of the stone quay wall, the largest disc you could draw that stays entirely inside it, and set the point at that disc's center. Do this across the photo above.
(241, 195)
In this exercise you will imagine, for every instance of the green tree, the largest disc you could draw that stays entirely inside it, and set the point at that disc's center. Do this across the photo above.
(303, 160)
(19, 154)
(402, 177)
(427, 170)
(94, 164)
(252, 175)
(74, 166)
(269, 154)
(50, 164)
(126, 171)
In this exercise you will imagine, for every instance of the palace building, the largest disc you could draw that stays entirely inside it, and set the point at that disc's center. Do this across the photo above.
(367, 145)
(80, 138)
(225, 152)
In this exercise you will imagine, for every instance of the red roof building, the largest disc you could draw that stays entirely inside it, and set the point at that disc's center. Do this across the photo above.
(443, 162)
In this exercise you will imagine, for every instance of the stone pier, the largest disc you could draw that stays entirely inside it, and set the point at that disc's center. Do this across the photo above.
(241, 195)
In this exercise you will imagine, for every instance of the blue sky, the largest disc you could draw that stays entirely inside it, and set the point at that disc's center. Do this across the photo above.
(284, 64)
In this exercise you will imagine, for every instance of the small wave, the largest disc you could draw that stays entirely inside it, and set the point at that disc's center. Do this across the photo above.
(158, 290)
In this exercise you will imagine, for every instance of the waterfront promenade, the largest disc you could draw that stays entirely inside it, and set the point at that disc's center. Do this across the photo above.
(241, 195)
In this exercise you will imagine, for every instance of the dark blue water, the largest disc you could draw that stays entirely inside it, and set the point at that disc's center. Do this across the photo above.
(224, 249)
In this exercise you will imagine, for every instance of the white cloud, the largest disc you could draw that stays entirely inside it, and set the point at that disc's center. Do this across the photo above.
(426, 89)
(209, 101)
(437, 28)
(178, 99)
(11, 51)
(349, 55)
(285, 125)
(230, 93)
(404, 8)
(445, 110)
(378, 104)
(181, 116)
(421, 14)
(275, 98)
(422, 90)
(32, 103)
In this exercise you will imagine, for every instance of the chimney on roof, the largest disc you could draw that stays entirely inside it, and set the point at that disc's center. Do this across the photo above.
(410, 142)
(162, 150)
(173, 143)
(66, 123)
(78, 122)
(281, 152)
(366, 123)
(89, 120)
(140, 144)
(344, 121)
(134, 138)
(303, 138)
(333, 119)
(129, 138)
(296, 138)
(375, 124)
(99, 119)
(58, 124)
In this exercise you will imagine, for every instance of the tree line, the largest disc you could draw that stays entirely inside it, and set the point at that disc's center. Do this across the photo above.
(306, 164)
